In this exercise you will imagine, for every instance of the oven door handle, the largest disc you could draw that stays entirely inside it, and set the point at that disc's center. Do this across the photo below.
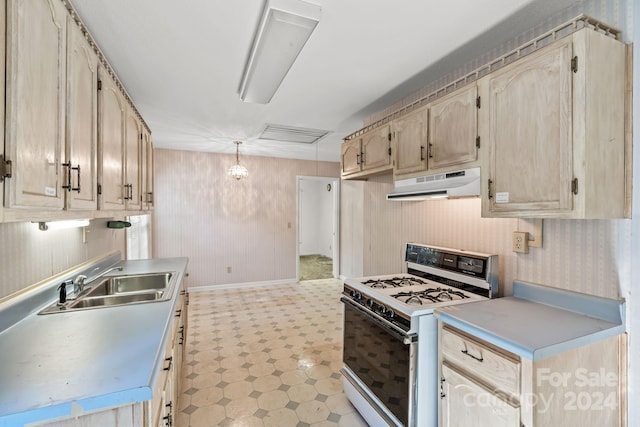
(397, 333)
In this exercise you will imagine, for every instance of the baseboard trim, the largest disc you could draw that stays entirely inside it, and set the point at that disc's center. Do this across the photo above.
(207, 288)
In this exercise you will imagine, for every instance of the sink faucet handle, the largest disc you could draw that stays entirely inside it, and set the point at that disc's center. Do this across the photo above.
(78, 283)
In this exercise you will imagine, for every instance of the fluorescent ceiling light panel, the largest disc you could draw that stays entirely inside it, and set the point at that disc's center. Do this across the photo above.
(292, 134)
(284, 28)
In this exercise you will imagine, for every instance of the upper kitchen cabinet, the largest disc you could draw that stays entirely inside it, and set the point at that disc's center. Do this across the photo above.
(133, 167)
(439, 137)
(111, 144)
(81, 126)
(453, 129)
(56, 109)
(147, 170)
(368, 154)
(554, 125)
(35, 104)
(410, 143)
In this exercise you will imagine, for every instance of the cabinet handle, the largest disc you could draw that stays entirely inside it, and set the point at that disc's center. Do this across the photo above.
(178, 313)
(170, 360)
(442, 394)
(168, 419)
(430, 152)
(78, 187)
(466, 353)
(489, 182)
(150, 198)
(128, 191)
(421, 152)
(357, 159)
(69, 186)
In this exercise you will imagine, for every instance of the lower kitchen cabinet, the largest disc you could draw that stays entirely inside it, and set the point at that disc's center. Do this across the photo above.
(160, 410)
(486, 386)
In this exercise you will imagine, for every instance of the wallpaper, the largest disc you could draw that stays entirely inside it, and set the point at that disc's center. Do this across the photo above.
(28, 255)
(232, 231)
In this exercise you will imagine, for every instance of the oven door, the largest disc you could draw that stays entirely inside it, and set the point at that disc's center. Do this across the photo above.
(383, 358)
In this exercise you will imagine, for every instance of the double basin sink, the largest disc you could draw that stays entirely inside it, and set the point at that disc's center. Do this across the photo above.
(112, 291)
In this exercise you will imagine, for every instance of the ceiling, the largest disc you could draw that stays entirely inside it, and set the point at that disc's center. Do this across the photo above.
(181, 63)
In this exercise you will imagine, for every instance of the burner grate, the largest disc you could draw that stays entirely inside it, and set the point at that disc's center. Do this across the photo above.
(432, 294)
(394, 282)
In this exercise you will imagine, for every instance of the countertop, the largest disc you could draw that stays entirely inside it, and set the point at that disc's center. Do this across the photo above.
(64, 363)
(537, 321)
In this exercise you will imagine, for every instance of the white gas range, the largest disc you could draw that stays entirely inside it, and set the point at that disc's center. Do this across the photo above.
(390, 334)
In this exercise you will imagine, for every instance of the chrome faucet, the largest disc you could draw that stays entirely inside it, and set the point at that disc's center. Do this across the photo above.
(81, 280)
(78, 283)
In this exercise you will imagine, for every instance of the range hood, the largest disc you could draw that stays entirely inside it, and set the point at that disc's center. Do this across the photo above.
(461, 183)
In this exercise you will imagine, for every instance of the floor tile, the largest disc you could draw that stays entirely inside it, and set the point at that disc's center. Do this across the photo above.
(265, 356)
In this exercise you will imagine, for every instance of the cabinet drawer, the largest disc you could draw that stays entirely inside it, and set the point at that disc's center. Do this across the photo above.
(499, 371)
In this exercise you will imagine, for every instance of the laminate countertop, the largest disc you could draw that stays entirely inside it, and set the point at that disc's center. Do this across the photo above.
(73, 362)
(538, 321)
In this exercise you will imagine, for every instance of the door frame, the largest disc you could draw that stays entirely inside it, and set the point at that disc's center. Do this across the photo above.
(335, 245)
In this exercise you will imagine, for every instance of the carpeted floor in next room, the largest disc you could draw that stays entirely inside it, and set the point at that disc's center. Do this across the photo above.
(314, 267)
(265, 356)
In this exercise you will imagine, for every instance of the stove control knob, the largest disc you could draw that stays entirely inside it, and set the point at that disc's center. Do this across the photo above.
(370, 303)
(390, 314)
(382, 309)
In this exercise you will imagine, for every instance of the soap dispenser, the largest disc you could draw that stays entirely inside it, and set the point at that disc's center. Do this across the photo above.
(63, 291)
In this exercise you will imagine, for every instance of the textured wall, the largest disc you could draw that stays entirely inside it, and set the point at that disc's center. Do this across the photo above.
(579, 255)
(28, 255)
(218, 222)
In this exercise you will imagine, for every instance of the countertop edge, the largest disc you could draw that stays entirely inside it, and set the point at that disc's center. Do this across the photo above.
(526, 352)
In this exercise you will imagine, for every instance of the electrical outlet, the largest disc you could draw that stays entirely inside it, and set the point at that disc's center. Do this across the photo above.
(521, 242)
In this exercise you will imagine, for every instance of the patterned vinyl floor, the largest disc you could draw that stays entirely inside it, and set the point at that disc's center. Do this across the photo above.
(267, 356)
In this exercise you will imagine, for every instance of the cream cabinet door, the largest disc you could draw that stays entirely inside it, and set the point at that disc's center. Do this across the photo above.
(530, 133)
(111, 144)
(147, 170)
(410, 143)
(350, 155)
(82, 115)
(35, 129)
(376, 149)
(465, 403)
(453, 129)
(133, 138)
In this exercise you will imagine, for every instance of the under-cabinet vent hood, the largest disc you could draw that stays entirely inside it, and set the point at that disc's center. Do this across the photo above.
(461, 183)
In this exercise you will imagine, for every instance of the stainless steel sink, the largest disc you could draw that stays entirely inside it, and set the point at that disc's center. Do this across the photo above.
(126, 284)
(106, 301)
(113, 291)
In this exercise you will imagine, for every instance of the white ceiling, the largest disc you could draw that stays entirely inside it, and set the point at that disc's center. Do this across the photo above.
(181, 63)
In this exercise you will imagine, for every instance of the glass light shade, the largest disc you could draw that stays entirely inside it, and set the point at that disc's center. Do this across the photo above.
(238, 171)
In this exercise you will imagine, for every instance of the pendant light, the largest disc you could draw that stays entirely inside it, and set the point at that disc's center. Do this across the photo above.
(238, 171)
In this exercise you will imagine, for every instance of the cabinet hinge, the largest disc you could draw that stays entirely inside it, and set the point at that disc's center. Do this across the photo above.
(5, 168)
(478, 102)
(389, 151)
(574, 64)
(99, 188)
(478, 141)
(389, 136)
(574, 186)
(99, 84)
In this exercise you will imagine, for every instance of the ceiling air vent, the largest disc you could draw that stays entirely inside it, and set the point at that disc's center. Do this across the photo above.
(292, 134)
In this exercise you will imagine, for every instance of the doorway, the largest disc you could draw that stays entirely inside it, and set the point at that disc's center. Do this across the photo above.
(317, 253)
